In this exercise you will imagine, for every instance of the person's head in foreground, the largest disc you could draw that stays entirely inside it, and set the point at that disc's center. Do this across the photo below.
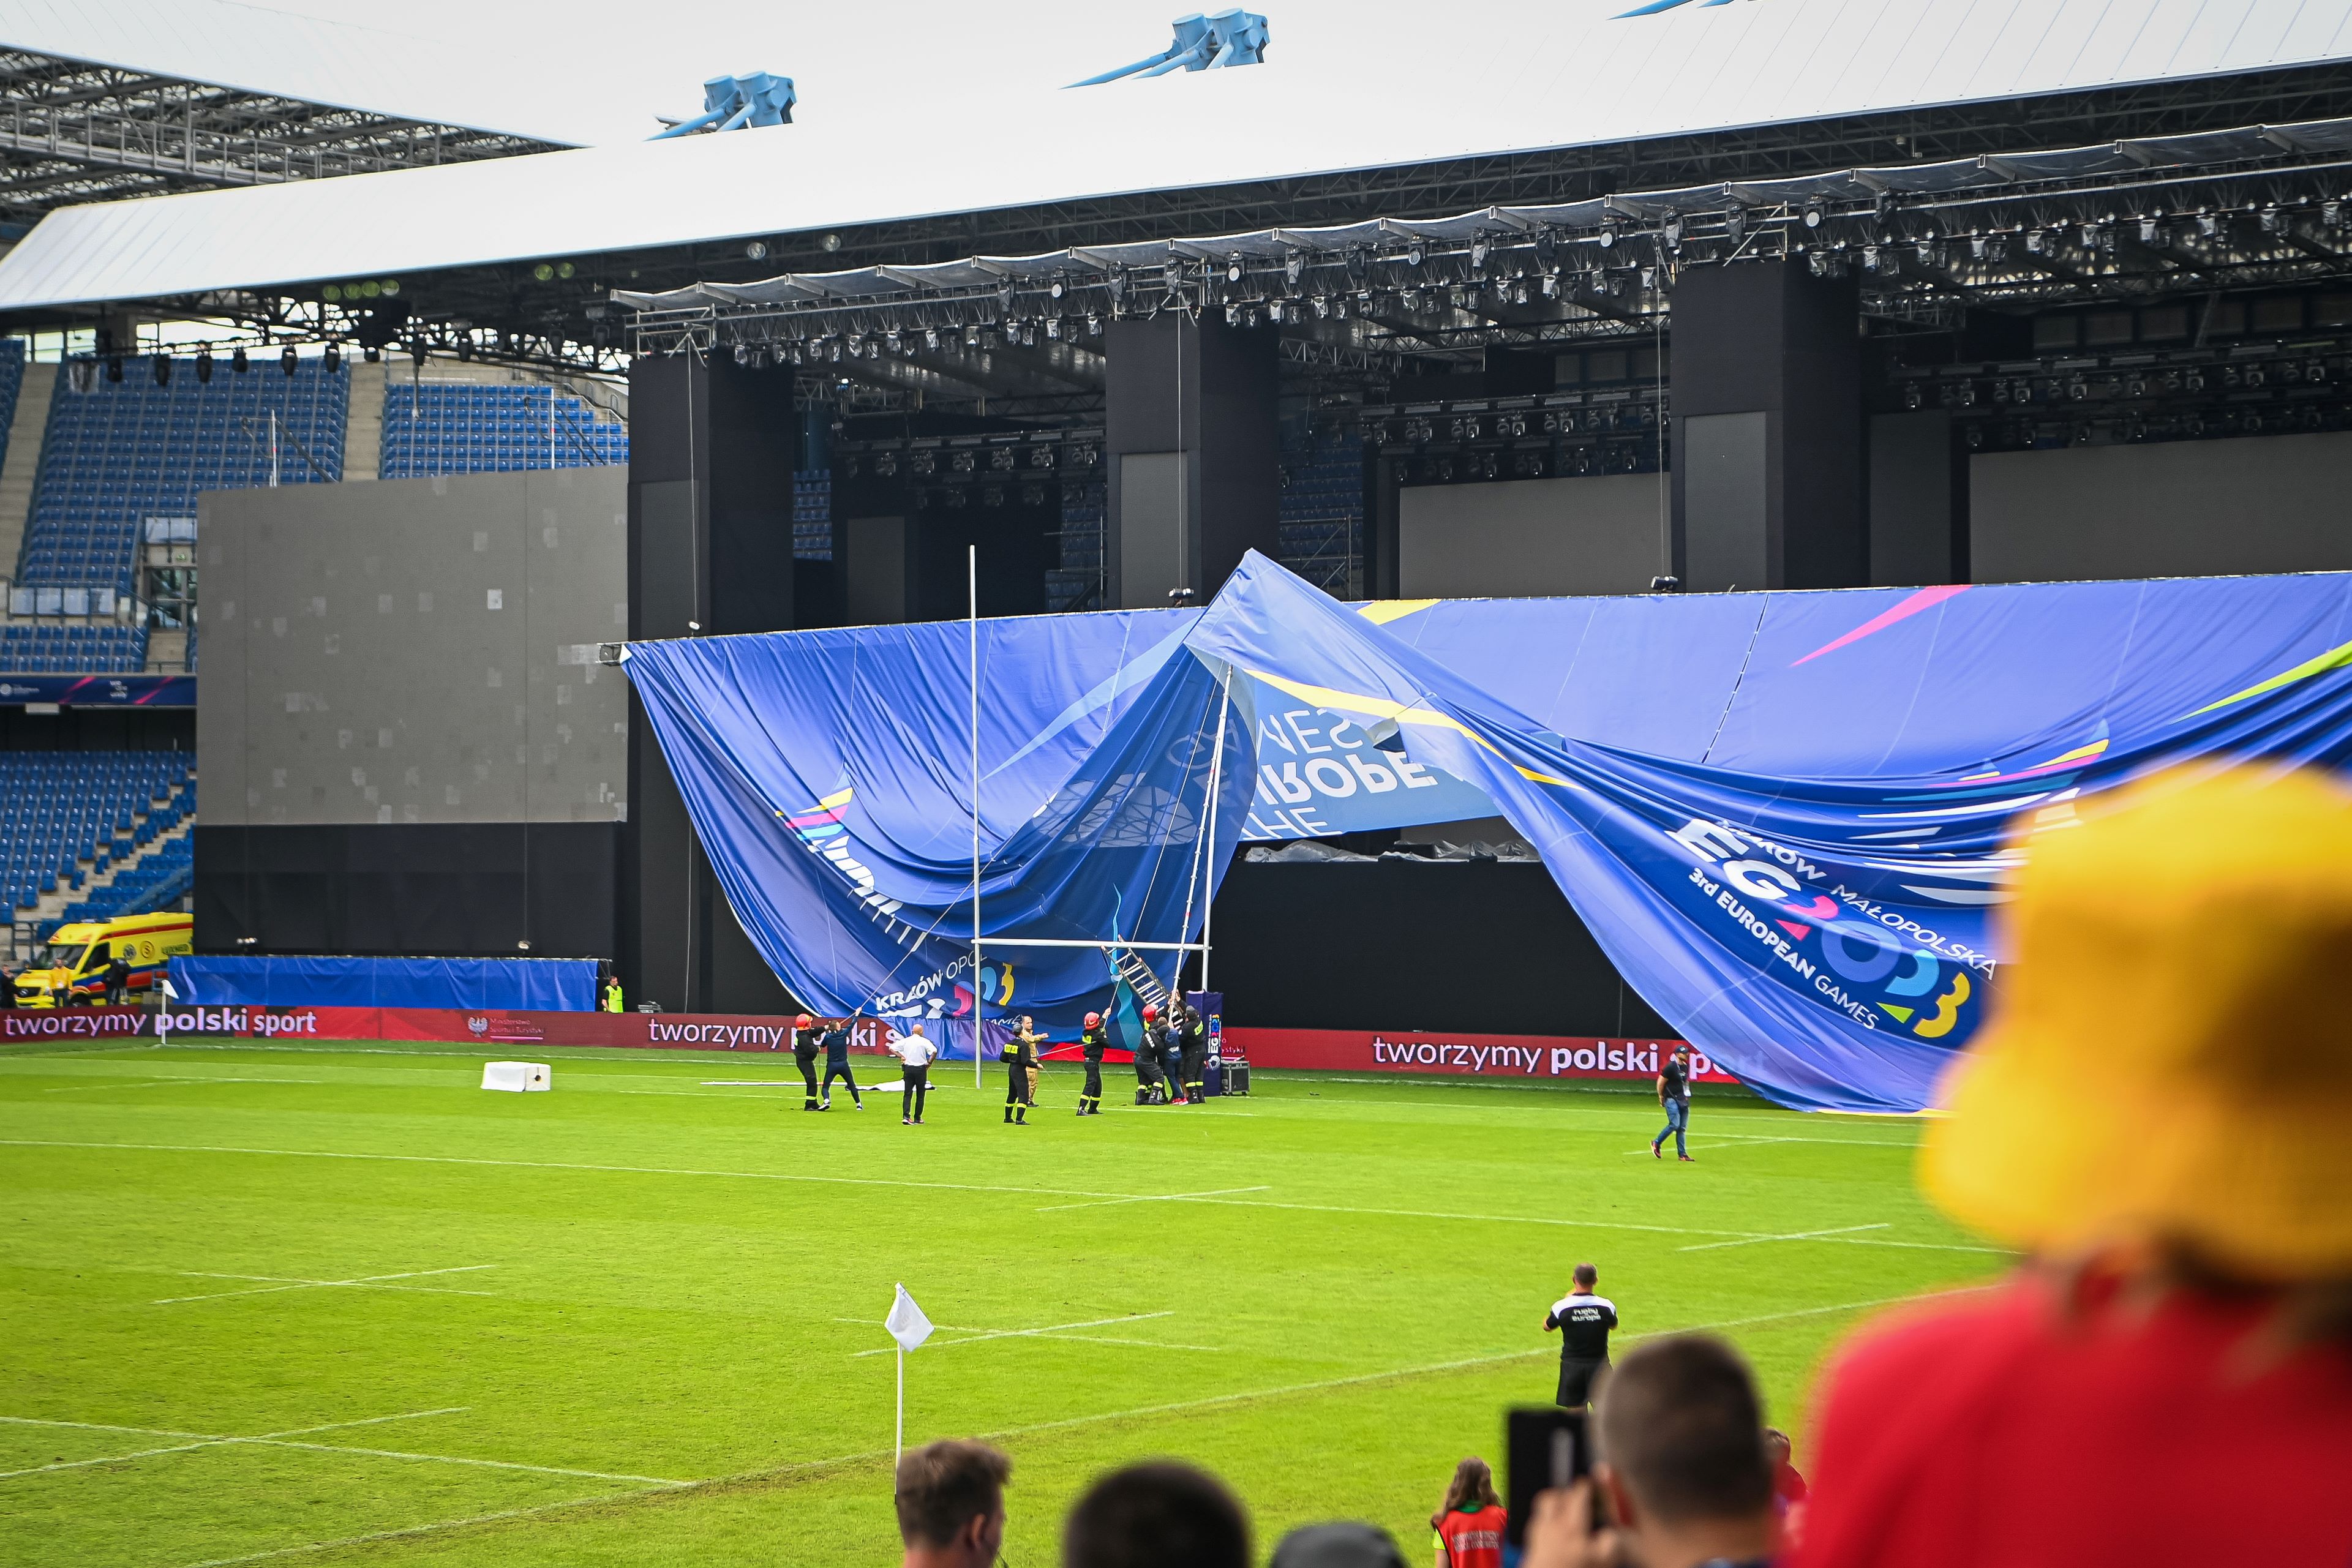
(2159, 1114)
(951, 1498)
(1678, 1435)
(1472, 1487)
(1586, 1276)
(1343, 1543)
(1158, 1515)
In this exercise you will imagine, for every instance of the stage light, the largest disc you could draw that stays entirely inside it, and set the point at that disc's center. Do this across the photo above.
(1608, 237)
(331, 356)
(1671, 231)
(2208, 224)
(742, 353)
(1234, 267)
(332, 293)
(1911, 394)
(1734, 225)
(204, 366)
(1870, 257)
(1415, 254)
(114, 367)
(1274, 310)
(1094, 325)
(1042, 457)
(831, 242)
(1817, 213)
(756, 251)
(2033, 242)
(1294, 264)
(288, 359)
(1977, 245)
(371, 353)
(162, 363)
(963, 463)
(1233, 313)
(890, 339)
(416, 351)
(972, 335)
(1477, 252)
(237, 361)
(543, 272)
(1053, 328)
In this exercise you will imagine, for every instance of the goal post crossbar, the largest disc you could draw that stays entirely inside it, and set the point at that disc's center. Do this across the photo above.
(1072, 942)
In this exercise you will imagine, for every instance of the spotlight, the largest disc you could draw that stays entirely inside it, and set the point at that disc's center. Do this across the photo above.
(1817, 213)
(163, 370)
(1415, 254)
(331, 356)
(2208, 224)
(1234, 267)
(831, 242)
(1293, 265)
(930, 337)
(286, 359)
(415, 354)
(545, 272)
(1055, 290)
(1233, 313)
(742, 353)
(114, 367)
(563, 270)
(371, 353)
(1477, 252)
(1671, 231)
(1734, 225)
(1608, 239)
(237, 361)
(204, 365)
(756, 251)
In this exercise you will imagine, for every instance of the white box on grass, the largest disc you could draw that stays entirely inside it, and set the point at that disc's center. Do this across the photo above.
(518, 1077)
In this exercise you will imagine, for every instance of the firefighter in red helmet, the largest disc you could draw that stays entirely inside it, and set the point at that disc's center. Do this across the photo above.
(805, 1046)
(1091, 1043)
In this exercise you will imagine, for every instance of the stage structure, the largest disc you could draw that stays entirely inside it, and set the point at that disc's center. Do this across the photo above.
(1787, 817)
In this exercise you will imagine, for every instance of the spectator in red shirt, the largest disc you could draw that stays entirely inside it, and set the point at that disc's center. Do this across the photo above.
(2161, 1116)
(1469, 1522)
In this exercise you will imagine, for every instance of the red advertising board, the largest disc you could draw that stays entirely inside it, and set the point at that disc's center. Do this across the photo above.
(1538, 1056)
(677, 1031)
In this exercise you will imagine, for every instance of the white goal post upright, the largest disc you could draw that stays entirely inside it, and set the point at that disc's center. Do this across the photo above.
(978, 987)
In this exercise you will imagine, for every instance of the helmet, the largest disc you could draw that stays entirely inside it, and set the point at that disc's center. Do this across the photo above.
(803, 1021)
(1150, 1014)
(1094, 1020)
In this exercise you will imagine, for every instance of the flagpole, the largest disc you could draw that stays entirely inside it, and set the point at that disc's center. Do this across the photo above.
(898, 1433)
(978, 987)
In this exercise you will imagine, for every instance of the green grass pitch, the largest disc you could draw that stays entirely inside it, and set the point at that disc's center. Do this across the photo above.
(332, 1304)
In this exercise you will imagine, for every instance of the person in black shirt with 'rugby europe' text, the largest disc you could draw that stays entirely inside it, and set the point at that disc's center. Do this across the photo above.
(1584, 1320)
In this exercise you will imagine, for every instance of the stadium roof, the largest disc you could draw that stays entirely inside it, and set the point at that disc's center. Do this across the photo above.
(1334, 96)
(281, 53)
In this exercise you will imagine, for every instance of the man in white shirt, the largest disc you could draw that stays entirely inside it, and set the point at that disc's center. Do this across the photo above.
(915, 1053)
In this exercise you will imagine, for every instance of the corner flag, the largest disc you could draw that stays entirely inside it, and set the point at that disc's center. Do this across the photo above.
(907, 1322)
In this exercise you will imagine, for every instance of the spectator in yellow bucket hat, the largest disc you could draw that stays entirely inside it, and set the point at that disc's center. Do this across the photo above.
(2159, 1115)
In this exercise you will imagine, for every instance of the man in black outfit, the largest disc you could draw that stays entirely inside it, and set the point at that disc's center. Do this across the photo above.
(1584, 1320)
(1193, 1048)
(805, 1049)
(837, 1065)
(1148, 1075)
(118, 976)
(1020, 1074)
(1091, 1045)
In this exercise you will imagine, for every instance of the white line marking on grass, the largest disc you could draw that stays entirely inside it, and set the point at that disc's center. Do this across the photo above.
(560, 1166)
(459, 1459)
(202, 1441)
(1155, 1197)
(974, 1337)
(180, 1082)
(415, 1529)
(278, 1283)
(1792, 1236)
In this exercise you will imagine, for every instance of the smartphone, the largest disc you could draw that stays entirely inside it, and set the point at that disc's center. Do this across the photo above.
(1543, 1447)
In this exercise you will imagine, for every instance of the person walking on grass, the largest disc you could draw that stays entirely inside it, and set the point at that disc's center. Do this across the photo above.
(837, 1065)
(1585, 1321)
(915, 1054)
(1674, 1093)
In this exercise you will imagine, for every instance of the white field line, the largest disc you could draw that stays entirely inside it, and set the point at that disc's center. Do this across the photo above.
(370, 1282)
(179, 1082)
(947, 1186)
(1155, 1197)
(1792, 1236)
(974, 1338)
(202, 1441)
(1213, 1401)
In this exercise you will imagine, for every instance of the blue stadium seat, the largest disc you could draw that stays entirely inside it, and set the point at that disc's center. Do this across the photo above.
(447, 427)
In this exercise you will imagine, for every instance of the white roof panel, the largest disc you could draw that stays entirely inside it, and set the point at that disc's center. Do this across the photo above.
(1507, 76)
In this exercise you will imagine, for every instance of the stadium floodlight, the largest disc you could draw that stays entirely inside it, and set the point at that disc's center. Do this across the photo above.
(757, 250)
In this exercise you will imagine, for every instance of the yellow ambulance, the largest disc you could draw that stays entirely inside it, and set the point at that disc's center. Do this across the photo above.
(73, 971)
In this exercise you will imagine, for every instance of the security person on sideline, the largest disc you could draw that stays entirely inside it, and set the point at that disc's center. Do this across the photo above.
(1584, 1320)
(612, 993)
(1092, 1041)
(837, 1065)
(118, 976)
(1020, 1074)
(1148, 1079)
(1192, 1052)
(805, 1045)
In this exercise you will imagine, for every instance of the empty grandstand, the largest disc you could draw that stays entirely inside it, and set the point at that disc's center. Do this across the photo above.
(76, 825)
(34, 649)
(137, 441)
(463, 427)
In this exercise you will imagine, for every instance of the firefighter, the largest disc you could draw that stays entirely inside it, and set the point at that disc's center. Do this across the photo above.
(1090, 1045)
(805, 1045)
(1019, 1075)
(1193, 1039)
(1148, 1079)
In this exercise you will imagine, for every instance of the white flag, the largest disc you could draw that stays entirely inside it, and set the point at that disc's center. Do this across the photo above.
(907, 1322)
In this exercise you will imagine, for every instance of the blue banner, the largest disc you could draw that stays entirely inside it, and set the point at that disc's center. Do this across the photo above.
(1784, 816)
(100, 691)
(519, 985)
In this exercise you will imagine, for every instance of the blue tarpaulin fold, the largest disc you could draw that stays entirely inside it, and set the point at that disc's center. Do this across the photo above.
(515, 984)
(1784, 816)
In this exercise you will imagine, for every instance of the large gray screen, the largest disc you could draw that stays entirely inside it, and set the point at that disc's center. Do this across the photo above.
(415, 650)
(1526, 537)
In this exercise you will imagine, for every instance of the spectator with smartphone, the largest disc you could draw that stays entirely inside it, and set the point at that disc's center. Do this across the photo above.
(1469, 1522)
(2157, 1116)
(1678, 1440)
